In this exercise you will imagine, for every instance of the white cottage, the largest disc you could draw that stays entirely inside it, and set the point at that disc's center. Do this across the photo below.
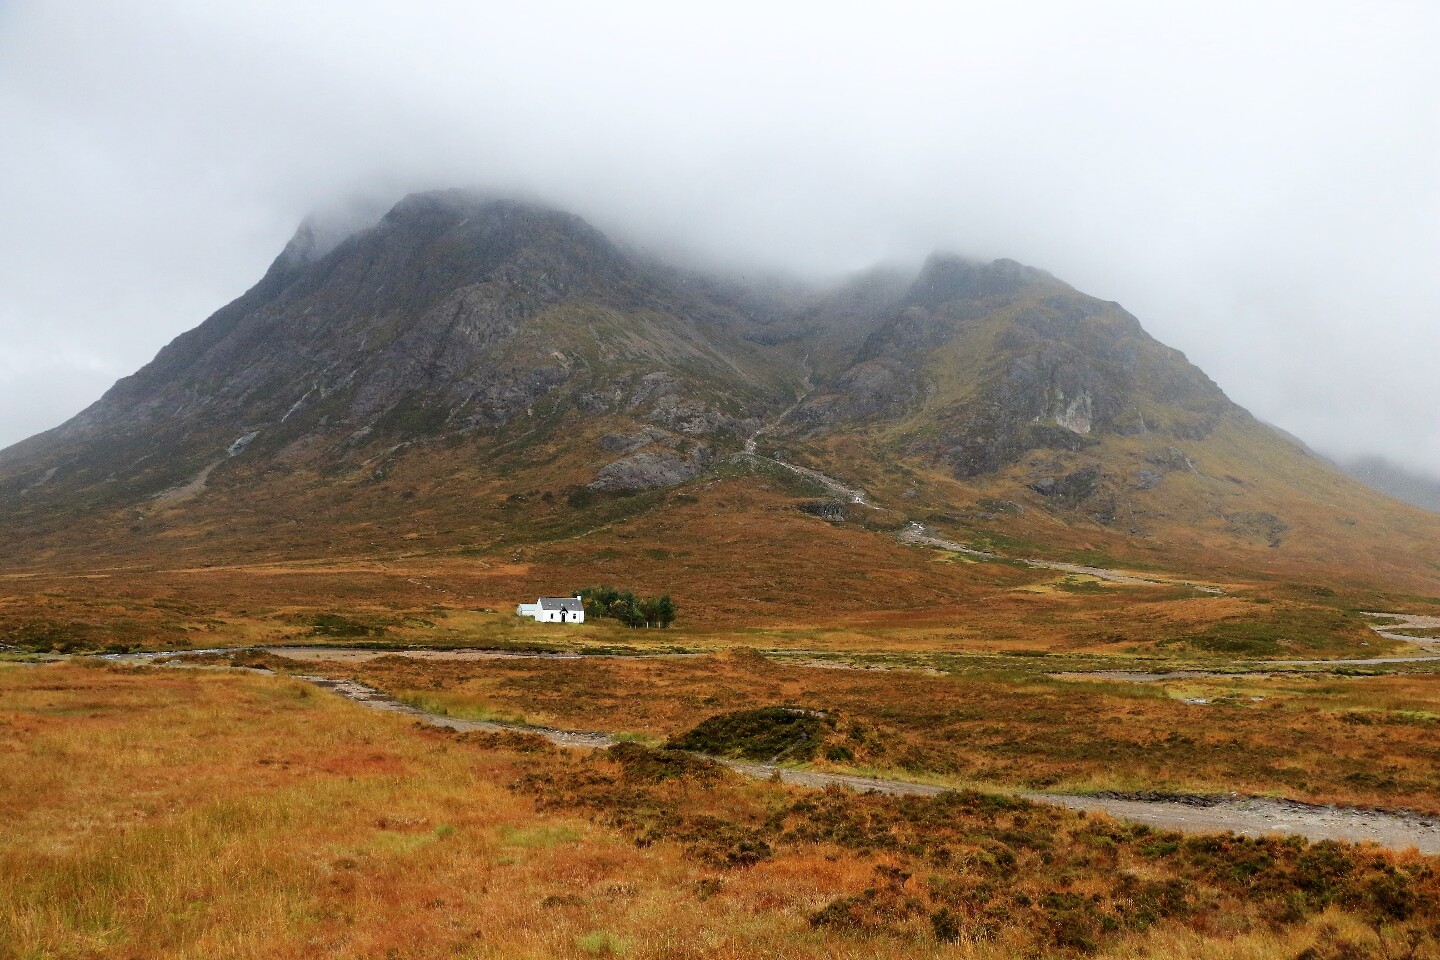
(554, 610)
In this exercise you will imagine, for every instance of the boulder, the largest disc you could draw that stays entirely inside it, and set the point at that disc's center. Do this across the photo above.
(650, 470)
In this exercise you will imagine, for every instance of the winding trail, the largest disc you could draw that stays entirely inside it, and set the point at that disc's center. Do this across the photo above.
(918, 535)
(360, 654)
(1409, 621)
(852, 494)
(1250, 816)
(1266, 668)
(375, 700)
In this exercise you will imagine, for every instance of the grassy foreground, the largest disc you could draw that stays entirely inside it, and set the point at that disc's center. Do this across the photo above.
(189, 813)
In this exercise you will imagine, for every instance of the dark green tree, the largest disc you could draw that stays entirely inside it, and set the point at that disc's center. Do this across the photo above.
(625, 606)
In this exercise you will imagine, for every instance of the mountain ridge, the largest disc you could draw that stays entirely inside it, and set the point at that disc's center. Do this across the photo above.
(1414, 487)
(465, 343)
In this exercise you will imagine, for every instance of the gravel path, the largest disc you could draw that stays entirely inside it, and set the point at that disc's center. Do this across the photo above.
(375, 700)
(1250, 816)
(1141, 676)
(1257, 817)
(851, 494)
(1266, 668)
(360, 654)
(1409, 621)
(920, 536)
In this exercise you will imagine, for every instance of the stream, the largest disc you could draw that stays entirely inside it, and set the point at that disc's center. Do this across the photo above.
(1249, 816)
(850, 494)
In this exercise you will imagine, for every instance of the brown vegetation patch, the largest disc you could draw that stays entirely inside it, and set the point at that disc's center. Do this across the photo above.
(182, 813)
(981, 867)
(1362, 741)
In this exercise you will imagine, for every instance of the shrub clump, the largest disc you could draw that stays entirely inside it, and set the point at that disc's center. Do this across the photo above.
(334, 625)
(779, 734)
(625, 606)
(642, 764)
(967, 866)
(639, 791)
(767, 735)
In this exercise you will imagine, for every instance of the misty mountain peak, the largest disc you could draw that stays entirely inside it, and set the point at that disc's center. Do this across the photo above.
(947, 277)
(327, 227)
(442, 225)
(479, 215)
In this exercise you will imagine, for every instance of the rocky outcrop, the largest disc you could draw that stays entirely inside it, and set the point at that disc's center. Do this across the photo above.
(1260, 525)
(994, 361)
(651, 469)
(1146, 479)
(830, 510)
(629, 443)
(1072, 488)
(693, 417)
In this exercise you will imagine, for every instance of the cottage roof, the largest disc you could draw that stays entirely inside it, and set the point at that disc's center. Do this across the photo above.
(561, 603)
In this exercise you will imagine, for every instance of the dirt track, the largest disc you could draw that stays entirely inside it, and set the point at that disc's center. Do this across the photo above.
(376, 700)
(917, 535)
(359, 654)
(1251, 816)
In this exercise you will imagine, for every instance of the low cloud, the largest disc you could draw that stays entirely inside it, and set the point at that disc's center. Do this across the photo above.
(1255, 182)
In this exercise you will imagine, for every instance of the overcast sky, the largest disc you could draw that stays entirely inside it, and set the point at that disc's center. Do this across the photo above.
(1258, 182)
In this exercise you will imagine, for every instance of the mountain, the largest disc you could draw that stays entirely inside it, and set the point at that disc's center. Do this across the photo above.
(984, 363)
(452, 316)
(490, 375)
(1411, 486)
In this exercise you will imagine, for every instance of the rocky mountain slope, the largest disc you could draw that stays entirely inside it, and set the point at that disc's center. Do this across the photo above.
(452, 317)
(494, 367)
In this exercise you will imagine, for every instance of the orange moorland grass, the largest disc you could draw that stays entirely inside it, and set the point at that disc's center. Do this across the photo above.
(460, 602)
(160, 813)
(188, 813)
(734, 554)
(1360, 741)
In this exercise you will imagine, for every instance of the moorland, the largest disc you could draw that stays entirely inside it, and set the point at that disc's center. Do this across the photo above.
(969, 529)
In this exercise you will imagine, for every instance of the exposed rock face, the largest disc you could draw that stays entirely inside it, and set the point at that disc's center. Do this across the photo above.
(1073, 487)
(650, 469)
(1147, 479)
(1076, 414)
(831, 510)
(870, 388)
(1006, 360)
(622, 443)
(1170, 459)
(693, 417)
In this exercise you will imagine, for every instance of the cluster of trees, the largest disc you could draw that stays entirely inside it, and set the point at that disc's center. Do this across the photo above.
(629, 609)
